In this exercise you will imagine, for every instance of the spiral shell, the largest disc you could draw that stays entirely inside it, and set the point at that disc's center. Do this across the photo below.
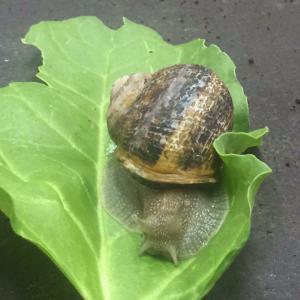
(164, 124)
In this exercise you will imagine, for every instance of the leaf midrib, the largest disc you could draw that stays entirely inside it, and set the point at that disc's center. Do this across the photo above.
(103, 256)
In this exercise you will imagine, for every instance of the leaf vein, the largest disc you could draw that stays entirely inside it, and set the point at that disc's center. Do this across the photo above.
(148, 49)
(70, 214)
(11, 167)
(39, 116)
(56, 43)
(65, 86)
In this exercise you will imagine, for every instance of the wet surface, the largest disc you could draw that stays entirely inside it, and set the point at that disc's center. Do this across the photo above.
(262, 37)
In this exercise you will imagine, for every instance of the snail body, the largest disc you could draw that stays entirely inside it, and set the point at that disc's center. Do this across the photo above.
(164, 125)
(175, 221)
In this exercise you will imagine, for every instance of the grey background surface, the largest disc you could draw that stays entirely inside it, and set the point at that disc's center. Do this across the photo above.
(263, 38)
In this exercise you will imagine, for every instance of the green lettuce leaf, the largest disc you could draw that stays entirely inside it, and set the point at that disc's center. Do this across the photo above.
(53, 146)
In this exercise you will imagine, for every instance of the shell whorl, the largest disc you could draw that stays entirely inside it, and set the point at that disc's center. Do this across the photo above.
(165, 129)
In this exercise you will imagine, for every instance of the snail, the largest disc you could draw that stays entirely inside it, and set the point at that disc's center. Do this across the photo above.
(164, 125)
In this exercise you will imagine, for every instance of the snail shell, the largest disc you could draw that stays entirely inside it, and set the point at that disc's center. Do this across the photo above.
(164, 124)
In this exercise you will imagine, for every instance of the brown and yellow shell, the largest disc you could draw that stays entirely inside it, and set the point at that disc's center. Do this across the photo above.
(164, 124)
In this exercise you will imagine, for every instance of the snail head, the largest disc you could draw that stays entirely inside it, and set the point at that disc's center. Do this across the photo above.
(161, 234)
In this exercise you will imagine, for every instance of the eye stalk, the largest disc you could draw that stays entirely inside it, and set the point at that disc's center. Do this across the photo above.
(161, 233)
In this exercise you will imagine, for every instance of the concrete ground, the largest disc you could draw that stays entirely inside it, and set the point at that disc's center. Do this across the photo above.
(263, 38)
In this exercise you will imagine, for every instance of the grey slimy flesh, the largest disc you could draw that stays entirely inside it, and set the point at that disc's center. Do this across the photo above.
(204, 207)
